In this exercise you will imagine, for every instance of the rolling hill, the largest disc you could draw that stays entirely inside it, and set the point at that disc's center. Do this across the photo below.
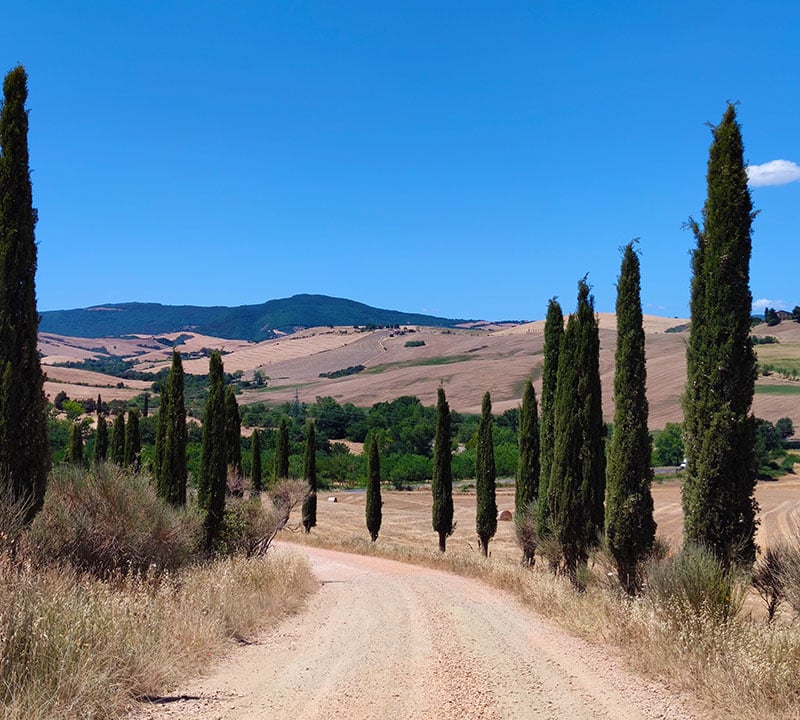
(245, 322)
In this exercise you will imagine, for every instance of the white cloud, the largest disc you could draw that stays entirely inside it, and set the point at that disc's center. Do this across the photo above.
(774, 172)
(763, 303)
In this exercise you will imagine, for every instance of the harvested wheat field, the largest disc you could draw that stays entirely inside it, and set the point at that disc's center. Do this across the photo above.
(415, 361)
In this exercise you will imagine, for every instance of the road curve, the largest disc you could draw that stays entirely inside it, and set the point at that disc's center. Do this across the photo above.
(386, 640)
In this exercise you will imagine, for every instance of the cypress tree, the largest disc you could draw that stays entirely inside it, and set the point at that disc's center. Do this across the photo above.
(527, 485)
(718, 503)
(486, 516)
(630, 528)
(577, 483)
(233, 431)
(281, 470)
(373, 510)
(442, 481)
(118, 440)
(213, 465)
(256, 472)
(172, 437)
(133, 441)
(553, 336)
(309, 513)
(75, 447)
(101, 437)
(24, 442)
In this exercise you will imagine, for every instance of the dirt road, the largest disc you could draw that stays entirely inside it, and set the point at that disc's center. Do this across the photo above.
(386, 640)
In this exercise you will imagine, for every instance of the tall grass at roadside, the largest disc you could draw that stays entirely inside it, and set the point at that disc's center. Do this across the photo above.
(733, 666)
(105, 598)
(75, 646)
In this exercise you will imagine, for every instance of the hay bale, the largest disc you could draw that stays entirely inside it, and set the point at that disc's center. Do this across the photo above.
(505, 515)
(332, 498)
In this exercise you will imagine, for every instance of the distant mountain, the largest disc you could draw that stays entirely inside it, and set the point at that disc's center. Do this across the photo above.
(245, 322)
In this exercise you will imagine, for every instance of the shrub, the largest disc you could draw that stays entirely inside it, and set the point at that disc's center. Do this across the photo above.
(692, 586)
(108, 520)
(769, 578)
(525, 529)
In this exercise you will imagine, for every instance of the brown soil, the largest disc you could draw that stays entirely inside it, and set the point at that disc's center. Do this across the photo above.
(386, 640)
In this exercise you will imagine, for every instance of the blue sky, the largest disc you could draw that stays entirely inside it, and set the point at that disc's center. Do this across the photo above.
(468, 159)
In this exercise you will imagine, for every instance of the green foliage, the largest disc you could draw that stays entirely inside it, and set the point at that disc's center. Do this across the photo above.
(344, 372)
(170, 466)
(765, 340)
(577, 484)
(213, 472)
(256, 472)
(678, 328)
(785, 427)
(442, 478)
(118, 440)
(527, 485)
(75, 448)
(24, 455)
(373, 508)
(309, 510)
(414, 343)
(718, 502)
(771, 317)
(101, 440)
(486, 514)
(133, 441)
(281, 470)
(668, 445)
(796, 314)
(233, 432)
(630, 528)
(553, 338)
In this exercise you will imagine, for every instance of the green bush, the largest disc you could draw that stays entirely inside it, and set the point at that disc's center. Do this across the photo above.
(691, 587)
(110, 520)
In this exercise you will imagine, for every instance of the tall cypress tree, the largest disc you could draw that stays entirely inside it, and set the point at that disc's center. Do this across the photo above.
(118, 440)
(233, 431)
(133, 441)
(101, 436)
(630, 528)
(442, 481)
(373, 509)
(309, 512)
(577, 483)
(553, 336)
(255, 468)
(172, 437)
(486, 515)
(213, 461)
(527, 485)
(24, 443)
(75, 447)
(281, 470)
(718, 503)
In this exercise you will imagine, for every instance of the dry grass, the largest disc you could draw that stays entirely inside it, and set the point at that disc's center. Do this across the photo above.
(74, 646)
(736, 669)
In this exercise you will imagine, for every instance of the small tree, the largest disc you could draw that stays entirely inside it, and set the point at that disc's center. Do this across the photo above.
(442, 481)
(118, 440)
(172, 437)
(373, 510)
(213, 465)
(553, 337)
(281, 471)
(630, 528)
(309, 512)
(255, 471)
(233, 432)
(101, 436)
(133, 441)
(486, 516)
(75, 447)
(527, 485)
(577, 485)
